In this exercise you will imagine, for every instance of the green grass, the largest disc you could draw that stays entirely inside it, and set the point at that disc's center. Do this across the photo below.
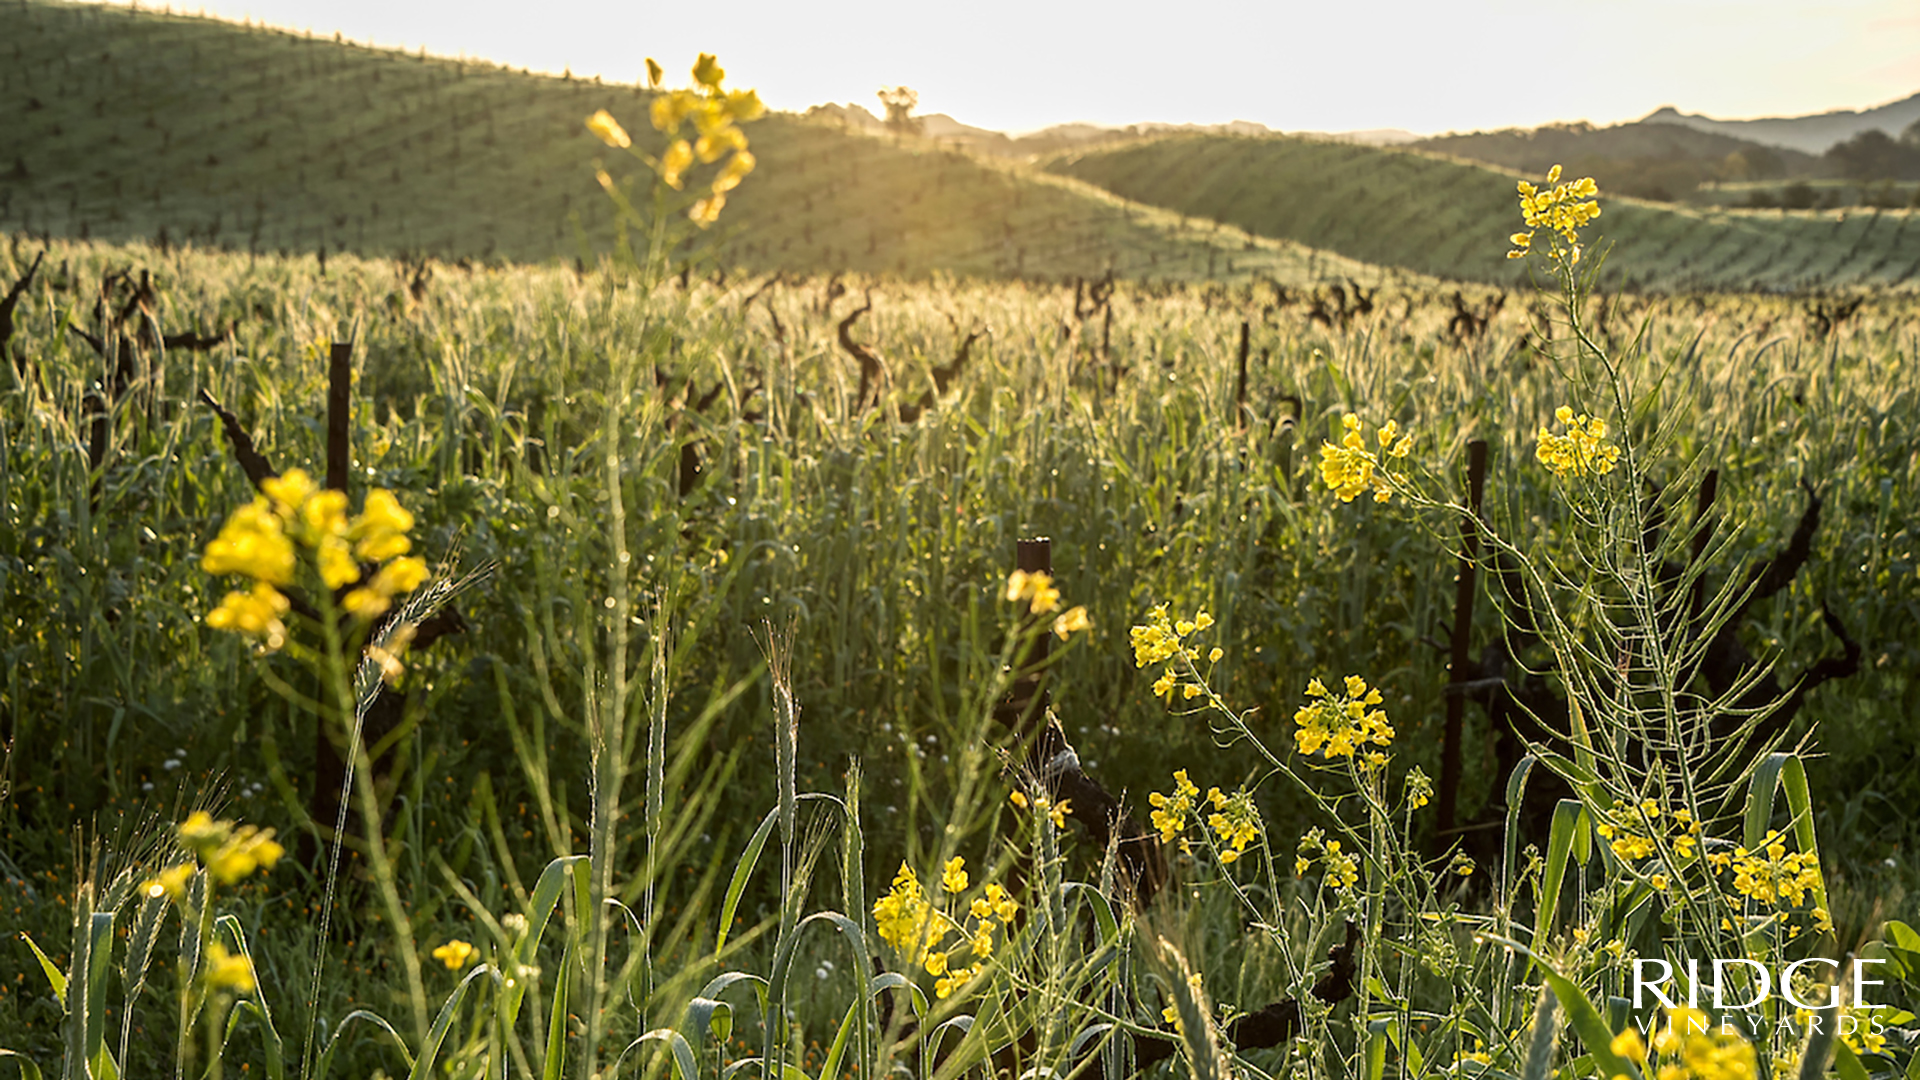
(689, 809)
(1434, 216)
(485, 403)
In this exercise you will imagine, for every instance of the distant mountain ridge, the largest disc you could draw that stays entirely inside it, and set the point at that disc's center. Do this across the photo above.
(1078, 135)
(1807, 134)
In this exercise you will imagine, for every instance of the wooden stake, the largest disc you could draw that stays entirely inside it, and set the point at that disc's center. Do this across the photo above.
(1449, 792)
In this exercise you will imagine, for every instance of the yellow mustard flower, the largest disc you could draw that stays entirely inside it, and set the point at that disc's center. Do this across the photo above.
(719, 142)
(715, 113)
(707, 211)
(675, 162)
(1629, 1045)
(608, 130)
(201, 834)
(708, 72)
(225, 971)
(1583, 449)
(170, 883)
(253, 543)
(1163, 639)
(1342, 869)
(380, 532)
(1236, 822)
(1036, 588)
(404, 574)
(289, 491)
(261, 540)
(255, 614)
(456, 954)
(668, 110)
(945, 986)
(1562, 209)
(247, 850)
(1170, 812)
(1350, 468)
(1778, 877)
(1055, 811)
(1069, 622)
(1005, 907)
(1336, 725)
(903, 914)
(954, 877)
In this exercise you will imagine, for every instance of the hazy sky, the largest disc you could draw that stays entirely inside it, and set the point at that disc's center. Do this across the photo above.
(1325, 65)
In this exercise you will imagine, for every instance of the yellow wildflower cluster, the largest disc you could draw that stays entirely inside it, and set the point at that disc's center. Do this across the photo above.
(1690, 1047)
(1561, 208)
(456, 954)
(715, 113)
(262, 539)
(1341, 869)
(1350, 468)
(1629, 830)
(903, 914)
(1163, 640)
(224, 971)
(1170, 811)
(229, 852)
(1782, 878)
(1337, 723)
(1037, 591)
(1235, 820)
(1582, 450)
(919, 929)
(1057, 811)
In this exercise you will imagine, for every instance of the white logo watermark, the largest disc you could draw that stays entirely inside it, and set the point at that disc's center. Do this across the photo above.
(1759, 987)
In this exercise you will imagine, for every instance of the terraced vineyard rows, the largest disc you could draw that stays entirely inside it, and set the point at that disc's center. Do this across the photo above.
(1443, 217)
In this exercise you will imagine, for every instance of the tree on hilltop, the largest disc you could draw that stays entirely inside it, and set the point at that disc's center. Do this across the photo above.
(900, 102)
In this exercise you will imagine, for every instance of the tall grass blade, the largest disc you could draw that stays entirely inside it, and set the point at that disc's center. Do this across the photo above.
(684, 1065)
(55, 977)
(437, 1035)
(255, 1003)
(749, 858)
(547, 892)
(367, 1016)
(1570, 828)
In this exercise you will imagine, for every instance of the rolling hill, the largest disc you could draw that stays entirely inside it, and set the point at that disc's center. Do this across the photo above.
(129, 124)
(136, 124)
(1661, 162)
(1451, 218)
